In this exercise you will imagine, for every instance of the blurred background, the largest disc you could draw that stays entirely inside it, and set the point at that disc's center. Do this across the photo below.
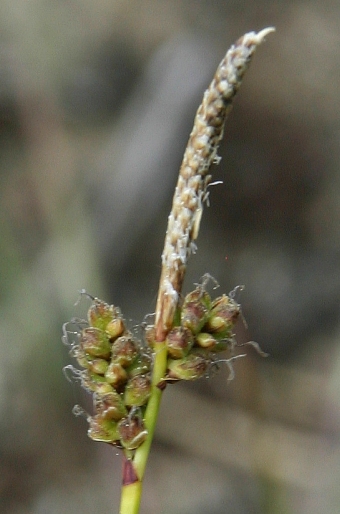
(97, 101)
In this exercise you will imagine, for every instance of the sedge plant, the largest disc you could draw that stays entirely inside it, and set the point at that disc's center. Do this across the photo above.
(126, 375)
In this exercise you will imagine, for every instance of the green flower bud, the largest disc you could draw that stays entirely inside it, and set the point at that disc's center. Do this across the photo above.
(132, 432)
(101, 388)
(101, 313)
(140, 366)
(124, 350)
(104, 430)
(198, 295)
(137, 391)
(116, 375)
(82, 359)
(98, 366)
(222, 318)
(191, 367)
(115, 328)
(205, 340)
(179, 342)
(218, 325)
(111, 406)
(195, 310)
(95, 342)
(95, 383)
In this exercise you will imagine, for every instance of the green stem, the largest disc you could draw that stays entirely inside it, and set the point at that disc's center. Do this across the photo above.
(130, 499)
(131, 492)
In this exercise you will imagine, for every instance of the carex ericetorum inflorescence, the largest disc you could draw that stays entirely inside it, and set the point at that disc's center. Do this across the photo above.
(126, 374)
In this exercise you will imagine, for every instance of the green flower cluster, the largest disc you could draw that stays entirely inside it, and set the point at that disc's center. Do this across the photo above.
(117, 366)
(202, 328)
(116, 371)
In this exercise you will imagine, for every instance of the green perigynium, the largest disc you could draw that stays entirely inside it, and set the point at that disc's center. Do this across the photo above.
(132, 431)
(179, 342)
